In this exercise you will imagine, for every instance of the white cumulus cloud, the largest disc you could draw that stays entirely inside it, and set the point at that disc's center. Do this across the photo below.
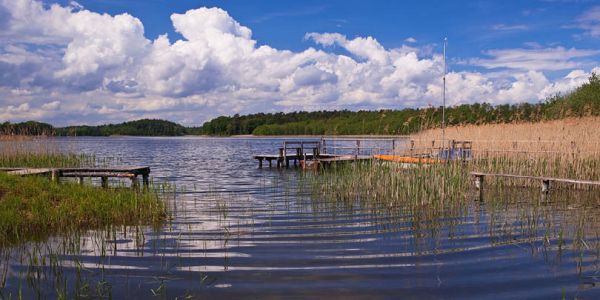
(66, 65)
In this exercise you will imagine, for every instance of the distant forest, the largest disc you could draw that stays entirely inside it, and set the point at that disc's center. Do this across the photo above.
(145, 127)
(583, 101)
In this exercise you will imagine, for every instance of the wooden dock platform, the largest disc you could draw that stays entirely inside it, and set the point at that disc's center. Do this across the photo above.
(311, 154)
(131, 172)
(331, 150)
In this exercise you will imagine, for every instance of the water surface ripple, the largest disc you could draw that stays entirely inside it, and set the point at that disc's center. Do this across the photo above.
(239, 231)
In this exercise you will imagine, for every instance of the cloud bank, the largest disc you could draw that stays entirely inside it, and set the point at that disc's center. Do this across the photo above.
(69, 65)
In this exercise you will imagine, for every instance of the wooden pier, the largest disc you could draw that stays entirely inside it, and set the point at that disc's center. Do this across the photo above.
(103, 173)
(545, 181)
(318, 153)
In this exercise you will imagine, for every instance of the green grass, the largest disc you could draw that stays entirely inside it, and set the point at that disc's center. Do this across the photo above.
(34, 207)
(44, 160)
(449, 182)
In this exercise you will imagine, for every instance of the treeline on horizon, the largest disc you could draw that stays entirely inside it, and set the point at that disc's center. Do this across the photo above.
(145, 127)
(583, 101)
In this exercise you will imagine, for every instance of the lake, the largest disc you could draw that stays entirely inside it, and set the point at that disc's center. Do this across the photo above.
(242, 232)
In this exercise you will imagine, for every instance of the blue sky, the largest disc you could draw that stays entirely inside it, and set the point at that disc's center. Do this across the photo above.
(471, 26)
(83, 66)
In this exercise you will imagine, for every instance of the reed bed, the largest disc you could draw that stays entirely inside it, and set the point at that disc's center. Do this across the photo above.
(393, 191)
(439, 199)
(576, 136)
(35, 207)
(39, 153)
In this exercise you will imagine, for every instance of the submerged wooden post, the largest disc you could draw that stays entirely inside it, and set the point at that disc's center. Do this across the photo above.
(146, 181)
(545, 186)
(298, 155)
(104, 182)
(135, 184)
(55, 175)
(479, 185)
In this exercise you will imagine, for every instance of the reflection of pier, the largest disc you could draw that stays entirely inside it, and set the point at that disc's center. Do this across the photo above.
(103, 173)
(328, 151)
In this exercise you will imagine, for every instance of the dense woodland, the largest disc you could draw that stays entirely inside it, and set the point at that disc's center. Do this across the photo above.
(583, 101)
(143, 127)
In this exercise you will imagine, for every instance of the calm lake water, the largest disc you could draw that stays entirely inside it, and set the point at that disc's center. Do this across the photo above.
(242, 232)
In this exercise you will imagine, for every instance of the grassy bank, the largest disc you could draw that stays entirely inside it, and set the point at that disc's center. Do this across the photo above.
(35, 207)
(32, 207)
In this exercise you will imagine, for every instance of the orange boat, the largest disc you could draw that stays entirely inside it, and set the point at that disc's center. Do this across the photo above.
(407, 159)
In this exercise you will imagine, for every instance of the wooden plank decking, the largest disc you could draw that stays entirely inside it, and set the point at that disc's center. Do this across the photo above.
(545, 181)
(25, 172)
(306, 153)
(131, 172)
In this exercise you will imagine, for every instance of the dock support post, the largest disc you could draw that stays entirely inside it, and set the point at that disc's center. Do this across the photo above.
(545, 186)
(55, 175)
(81, 180)
(146, 181)
(135, 184)
(104, 182)
(270, 163)
(260, 160)
(479, 185)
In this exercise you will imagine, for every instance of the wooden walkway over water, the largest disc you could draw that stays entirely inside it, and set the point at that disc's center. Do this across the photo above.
(545, 181)
(132, 172)
(326, 152)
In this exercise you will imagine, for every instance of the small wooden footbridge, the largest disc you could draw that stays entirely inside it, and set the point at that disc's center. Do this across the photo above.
(104, 173)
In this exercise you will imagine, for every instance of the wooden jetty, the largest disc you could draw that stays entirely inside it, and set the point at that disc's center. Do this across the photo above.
(332, 150)
(103, 173)
(545, 181)
(325, 152)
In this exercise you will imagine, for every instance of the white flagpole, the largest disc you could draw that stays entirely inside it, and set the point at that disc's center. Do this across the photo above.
(444, 100)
